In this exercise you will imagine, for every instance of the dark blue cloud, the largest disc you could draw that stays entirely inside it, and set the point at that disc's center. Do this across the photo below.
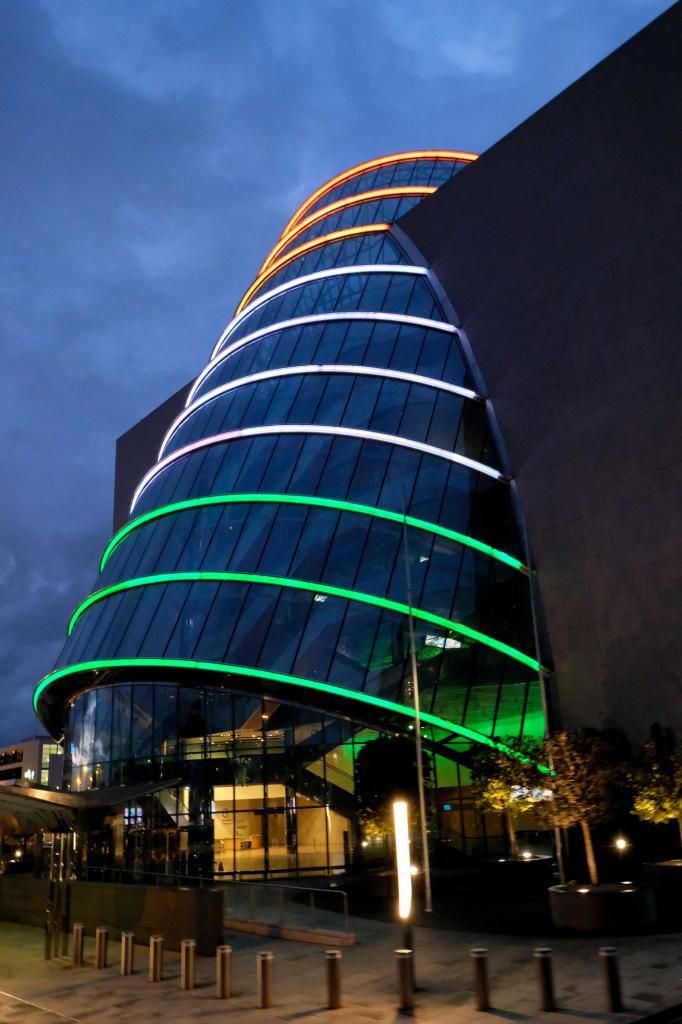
(151, 153)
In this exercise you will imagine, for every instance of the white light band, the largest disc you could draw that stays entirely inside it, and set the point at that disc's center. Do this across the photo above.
(372, 268)
(311, 428)
(328, 368)
(315, 318)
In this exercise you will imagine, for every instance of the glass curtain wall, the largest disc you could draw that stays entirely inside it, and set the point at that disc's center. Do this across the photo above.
(248, 629)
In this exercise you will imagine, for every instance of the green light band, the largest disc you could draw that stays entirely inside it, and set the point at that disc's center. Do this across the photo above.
(317, 588)
(276, 677)
(297, 499)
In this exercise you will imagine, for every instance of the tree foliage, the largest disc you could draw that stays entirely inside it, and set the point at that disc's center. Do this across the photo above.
(590, 780)
(507, 785)
(386, 770)
(656, 779)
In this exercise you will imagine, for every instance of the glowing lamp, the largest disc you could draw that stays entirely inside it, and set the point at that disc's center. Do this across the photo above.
(527, 855)
(402, 859)
(621, 843)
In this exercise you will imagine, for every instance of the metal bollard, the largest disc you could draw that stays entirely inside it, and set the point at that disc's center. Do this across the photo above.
(64, 951)
(156, 958)
(101, 947)
(614, 998)
(479, 964)
(127, 953)
(223, 972)
(543, 957)
(188, 948)
(405, 959)
(65, 919)
(333, 961)
(78, 930)
(48, 936)
(263, 980)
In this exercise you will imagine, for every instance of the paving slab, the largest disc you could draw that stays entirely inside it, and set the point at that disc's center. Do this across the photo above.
(36, 991)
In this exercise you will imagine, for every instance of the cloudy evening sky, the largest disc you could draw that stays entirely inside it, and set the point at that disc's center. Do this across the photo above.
(152, 151)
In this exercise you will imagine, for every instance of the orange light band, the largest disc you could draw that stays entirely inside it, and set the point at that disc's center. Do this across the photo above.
(382, 161)
(300, 250)
(341, 204)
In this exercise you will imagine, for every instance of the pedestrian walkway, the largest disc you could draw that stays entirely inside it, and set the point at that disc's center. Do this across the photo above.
(35, 991)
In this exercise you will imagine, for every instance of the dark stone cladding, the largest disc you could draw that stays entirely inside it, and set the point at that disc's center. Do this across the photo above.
(560, 250)
(137, 449)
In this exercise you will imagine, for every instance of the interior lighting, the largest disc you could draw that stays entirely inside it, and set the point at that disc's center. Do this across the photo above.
(527, 855)
(370, 165)
(397, 192)
(314, 318)
(349, 369)
(301, 250)
(311, 428)
(318, 275)
(164, 664)
(402, 859)
(323, 588)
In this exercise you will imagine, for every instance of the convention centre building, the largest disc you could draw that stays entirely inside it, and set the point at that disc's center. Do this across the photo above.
(447, 405)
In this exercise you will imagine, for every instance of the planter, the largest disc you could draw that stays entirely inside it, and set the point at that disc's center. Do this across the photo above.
(514, 873)
(619, 908)
(665, 879)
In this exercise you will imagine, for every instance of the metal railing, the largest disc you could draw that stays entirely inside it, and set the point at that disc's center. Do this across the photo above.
(283, 905)
(270, 903)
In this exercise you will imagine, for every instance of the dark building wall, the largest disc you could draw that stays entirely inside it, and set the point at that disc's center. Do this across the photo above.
(137, 449)
(146, 910)
(560, 249)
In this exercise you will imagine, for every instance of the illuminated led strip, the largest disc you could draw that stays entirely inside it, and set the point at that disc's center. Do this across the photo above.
(399, 192)
(311, 428)
(315, 588)
(312, 501)
(276, 677)
(306, 247)
(315, 318)
(369, 165)
(328, 368)
(319, 275)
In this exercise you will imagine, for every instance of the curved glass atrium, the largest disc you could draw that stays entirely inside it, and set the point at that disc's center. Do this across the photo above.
(248, 631)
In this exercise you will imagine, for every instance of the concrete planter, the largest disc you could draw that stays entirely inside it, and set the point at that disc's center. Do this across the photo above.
(517, 873)
(665, 878)
(623, 909)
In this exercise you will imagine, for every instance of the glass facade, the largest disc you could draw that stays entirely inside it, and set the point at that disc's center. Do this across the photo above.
(248, 631)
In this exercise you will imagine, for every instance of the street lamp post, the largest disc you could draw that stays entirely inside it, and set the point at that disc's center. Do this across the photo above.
(428, 905)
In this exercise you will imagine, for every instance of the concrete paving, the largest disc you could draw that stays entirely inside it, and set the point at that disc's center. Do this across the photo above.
(35, 991)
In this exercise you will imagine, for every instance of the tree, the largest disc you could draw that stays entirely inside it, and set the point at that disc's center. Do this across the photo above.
(386, 770)
(590, 768)
(507, 785)
(657, 779)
